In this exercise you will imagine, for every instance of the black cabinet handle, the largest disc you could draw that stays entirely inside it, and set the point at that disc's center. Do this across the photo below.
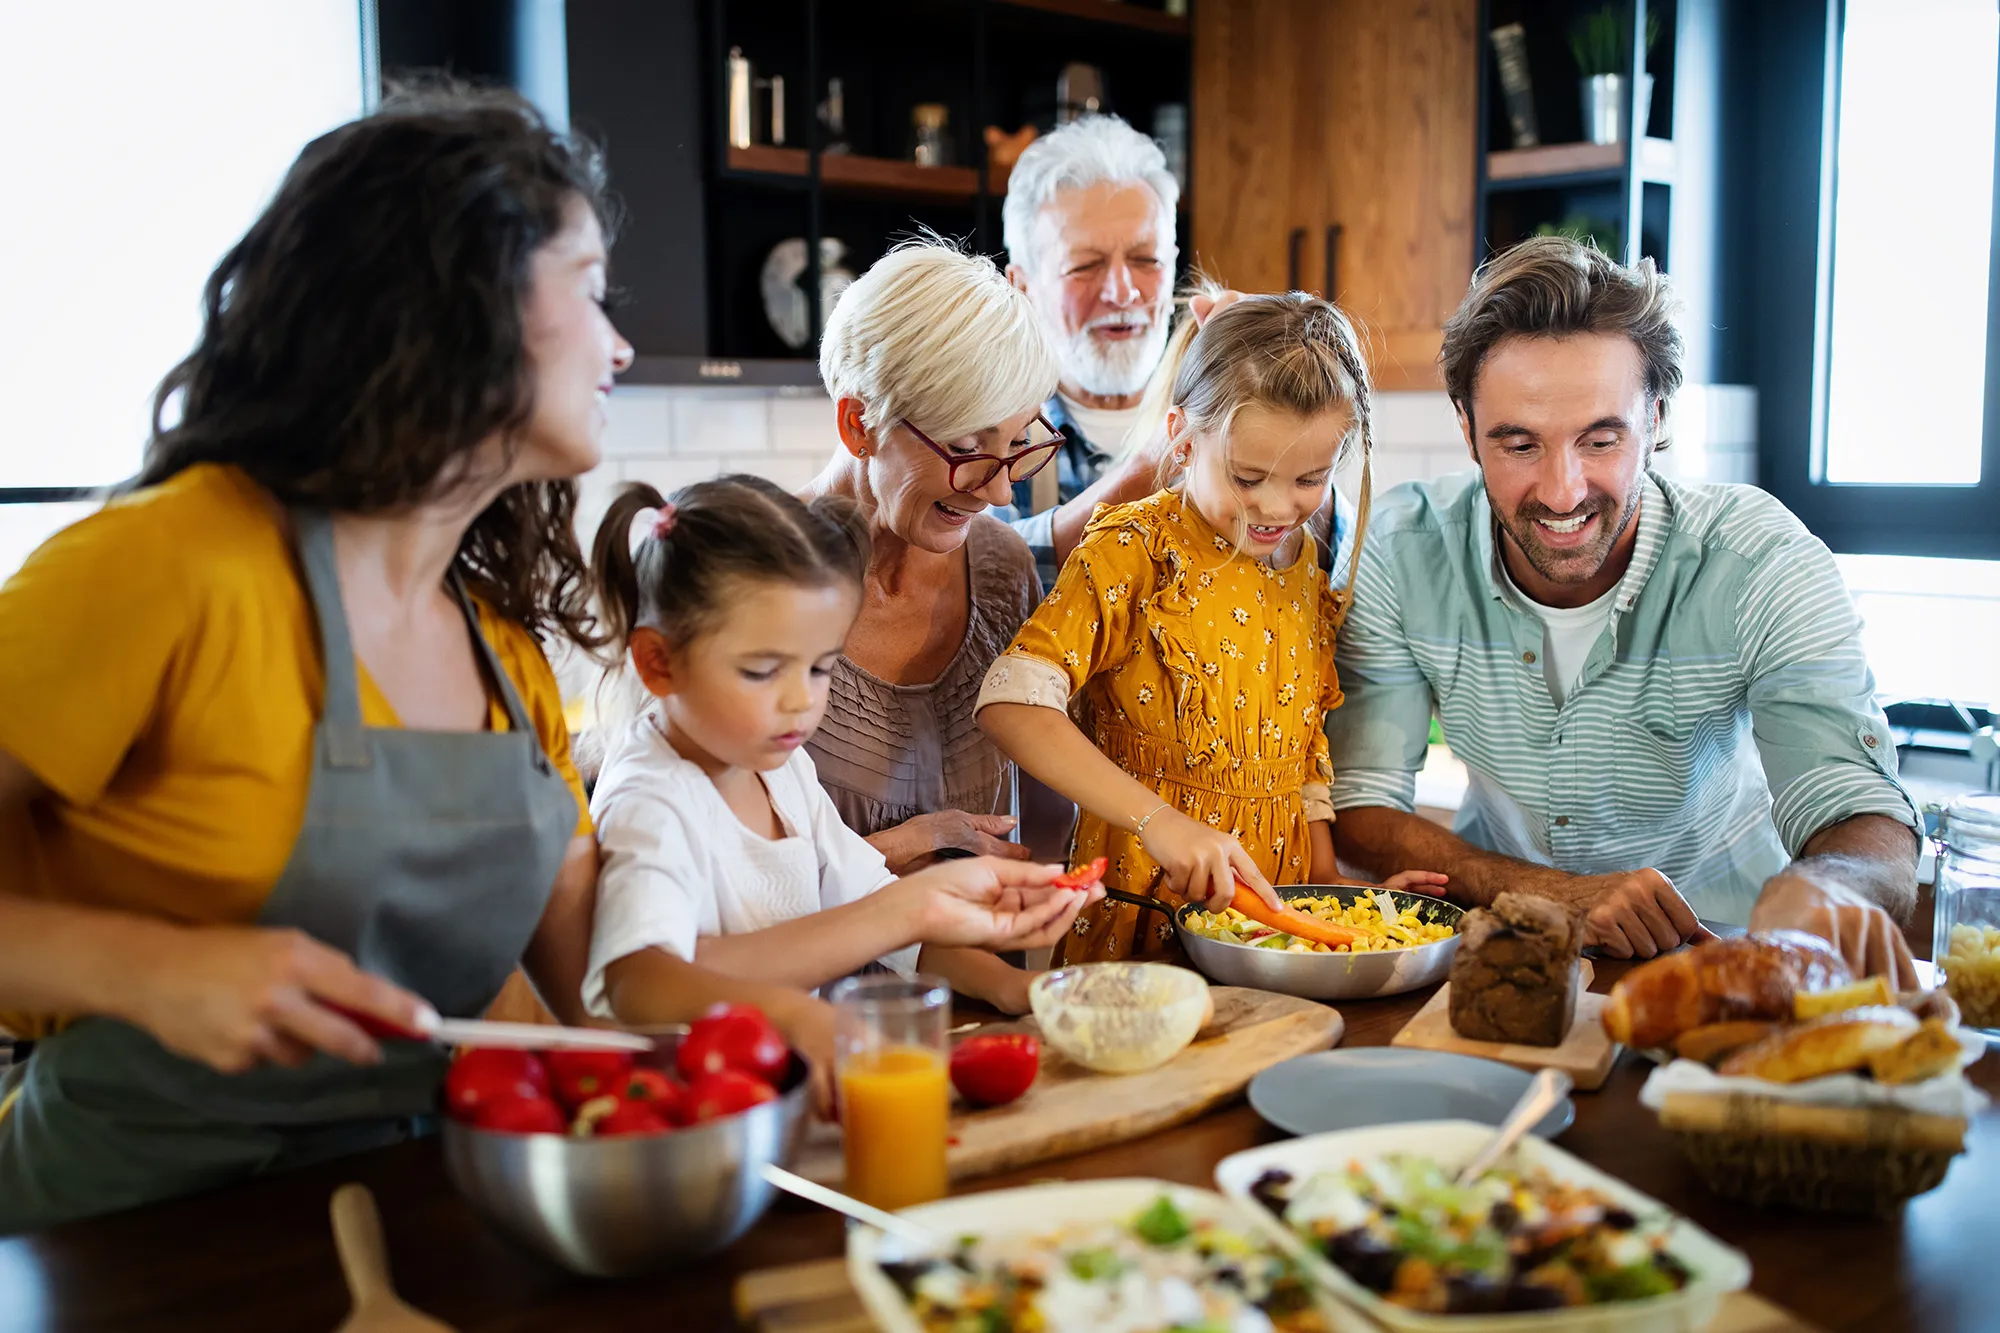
(1333, 261)
(1294, 256)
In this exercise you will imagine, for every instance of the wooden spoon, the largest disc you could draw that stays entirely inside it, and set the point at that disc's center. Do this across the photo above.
(357, 1235)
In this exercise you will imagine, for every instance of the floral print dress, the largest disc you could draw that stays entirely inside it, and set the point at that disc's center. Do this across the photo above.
(1203, 673)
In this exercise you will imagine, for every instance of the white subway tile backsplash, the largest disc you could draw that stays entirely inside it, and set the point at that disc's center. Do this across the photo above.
(721, 422)
(668, 475)
(1732, 414)
(639, 421)
(802, 423)
(1424, 419)
(792, 471)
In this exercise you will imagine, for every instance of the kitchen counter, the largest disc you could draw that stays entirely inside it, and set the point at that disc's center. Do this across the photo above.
(260, 1256)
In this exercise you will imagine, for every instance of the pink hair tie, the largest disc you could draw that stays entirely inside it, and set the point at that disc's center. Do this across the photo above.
(651, 524)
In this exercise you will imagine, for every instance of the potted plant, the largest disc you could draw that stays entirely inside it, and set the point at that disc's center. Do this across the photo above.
(1602, 43)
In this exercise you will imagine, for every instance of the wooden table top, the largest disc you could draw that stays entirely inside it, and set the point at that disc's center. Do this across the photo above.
(260, 1256)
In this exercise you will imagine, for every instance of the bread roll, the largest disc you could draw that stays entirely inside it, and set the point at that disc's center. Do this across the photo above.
(1835, 1044)
(1515, 975)
(1749, 977)
(1711, 1041)
(1929, 1051)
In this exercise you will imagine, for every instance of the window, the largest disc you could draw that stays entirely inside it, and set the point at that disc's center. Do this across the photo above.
(146, 145)
(1905, 443)
(1910, 285)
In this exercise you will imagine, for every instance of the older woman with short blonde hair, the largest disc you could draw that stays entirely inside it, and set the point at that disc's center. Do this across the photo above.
(937, 368)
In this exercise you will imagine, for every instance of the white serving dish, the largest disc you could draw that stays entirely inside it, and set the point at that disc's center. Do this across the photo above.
(1033, 1210)
(1717, 1268)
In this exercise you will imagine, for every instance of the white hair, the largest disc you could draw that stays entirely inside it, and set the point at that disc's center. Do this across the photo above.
(1083, 153)
(940, 338)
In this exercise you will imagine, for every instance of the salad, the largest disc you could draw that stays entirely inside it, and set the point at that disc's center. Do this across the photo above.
(1374, 915)
(1400, 1227)
(1160, 1270)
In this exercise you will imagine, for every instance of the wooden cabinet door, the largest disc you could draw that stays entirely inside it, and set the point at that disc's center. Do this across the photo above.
(1402, 86)
(1342, 132)
(1260, 141)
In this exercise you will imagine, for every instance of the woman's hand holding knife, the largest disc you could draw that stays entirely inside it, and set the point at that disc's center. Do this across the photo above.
(237, 996)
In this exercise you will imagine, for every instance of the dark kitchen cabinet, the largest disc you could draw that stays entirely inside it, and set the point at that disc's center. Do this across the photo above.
(647, 80)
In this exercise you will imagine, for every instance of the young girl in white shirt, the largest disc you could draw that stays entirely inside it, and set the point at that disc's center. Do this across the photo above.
(721, 853)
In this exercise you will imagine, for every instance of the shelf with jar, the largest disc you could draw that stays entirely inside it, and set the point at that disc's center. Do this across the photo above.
(893, 118)
(767, 151)
(1567, 83)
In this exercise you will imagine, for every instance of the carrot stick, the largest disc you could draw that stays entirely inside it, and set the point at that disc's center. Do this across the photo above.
(1305, 927)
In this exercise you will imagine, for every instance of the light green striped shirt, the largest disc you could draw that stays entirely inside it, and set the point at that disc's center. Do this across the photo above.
(1725, 715)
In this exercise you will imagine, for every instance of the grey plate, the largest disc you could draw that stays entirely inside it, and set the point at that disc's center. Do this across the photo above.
(1385, 1085)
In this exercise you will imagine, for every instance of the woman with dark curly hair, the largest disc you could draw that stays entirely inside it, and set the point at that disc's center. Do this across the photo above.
(279, 739)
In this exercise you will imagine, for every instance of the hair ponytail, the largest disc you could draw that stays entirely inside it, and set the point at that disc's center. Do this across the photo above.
(679, 577)
(614, 569)
(1159, 396)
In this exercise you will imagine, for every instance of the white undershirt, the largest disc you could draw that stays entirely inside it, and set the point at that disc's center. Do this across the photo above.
(1568, 635)
(1104, 427)
(679, 864)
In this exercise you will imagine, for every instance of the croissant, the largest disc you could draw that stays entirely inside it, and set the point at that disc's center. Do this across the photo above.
(1748, 977)
(1834, 1044)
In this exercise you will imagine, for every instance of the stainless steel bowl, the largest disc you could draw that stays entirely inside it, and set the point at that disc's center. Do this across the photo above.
(610, 1207)
(1329, 976)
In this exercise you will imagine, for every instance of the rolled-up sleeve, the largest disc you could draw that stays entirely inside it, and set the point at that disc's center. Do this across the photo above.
(1825, 744)
(1378, 737)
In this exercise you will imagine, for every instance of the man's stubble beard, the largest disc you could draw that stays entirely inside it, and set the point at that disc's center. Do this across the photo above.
(1572, 566)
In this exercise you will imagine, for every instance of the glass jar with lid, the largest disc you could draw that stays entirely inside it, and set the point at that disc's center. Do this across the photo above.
(1965, 943)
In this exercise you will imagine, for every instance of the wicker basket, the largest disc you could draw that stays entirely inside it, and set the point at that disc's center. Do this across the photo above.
(1832, 1159)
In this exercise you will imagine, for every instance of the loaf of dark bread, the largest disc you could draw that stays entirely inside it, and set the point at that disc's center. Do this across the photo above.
(1515, 976)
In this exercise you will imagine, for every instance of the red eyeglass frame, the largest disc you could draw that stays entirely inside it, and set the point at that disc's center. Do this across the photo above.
(953, 462)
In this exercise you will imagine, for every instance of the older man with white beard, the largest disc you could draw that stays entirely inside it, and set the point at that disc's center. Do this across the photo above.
(1089, 227)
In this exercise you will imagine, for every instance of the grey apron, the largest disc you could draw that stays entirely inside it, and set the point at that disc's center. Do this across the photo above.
(427, 856)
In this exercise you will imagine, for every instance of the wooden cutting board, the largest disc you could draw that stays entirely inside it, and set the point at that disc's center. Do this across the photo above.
(1586, 1054)
(817, 1298)
(1071, 1109)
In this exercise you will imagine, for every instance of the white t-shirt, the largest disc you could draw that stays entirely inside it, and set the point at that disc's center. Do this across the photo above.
(1104, 427)
(678, 863)
(1568, 635)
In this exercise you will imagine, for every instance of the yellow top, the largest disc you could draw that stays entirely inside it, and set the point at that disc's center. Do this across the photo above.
(159, 663)
(1203, 673)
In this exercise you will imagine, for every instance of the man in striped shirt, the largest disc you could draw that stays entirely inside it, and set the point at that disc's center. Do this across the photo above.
(1657, 688)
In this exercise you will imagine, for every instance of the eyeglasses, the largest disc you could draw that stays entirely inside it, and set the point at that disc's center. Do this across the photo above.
(971, 472)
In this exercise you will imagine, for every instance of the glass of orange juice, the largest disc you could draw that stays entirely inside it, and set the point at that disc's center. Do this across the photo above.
(892, 1047)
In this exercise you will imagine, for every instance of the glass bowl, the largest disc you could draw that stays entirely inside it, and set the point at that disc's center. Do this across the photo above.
(1120, 1018)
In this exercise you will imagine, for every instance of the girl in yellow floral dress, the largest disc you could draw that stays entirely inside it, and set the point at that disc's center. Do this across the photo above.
(1174, 682)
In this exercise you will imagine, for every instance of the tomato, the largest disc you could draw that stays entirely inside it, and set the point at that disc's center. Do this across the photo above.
(728, 1092)
(580, 1075)
(611, 1116)
(994, 1070)
(486, 1075)
(1084, 876)
(521, 1115)
(633, 1118)
(734, 1036)
(653, 1088)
